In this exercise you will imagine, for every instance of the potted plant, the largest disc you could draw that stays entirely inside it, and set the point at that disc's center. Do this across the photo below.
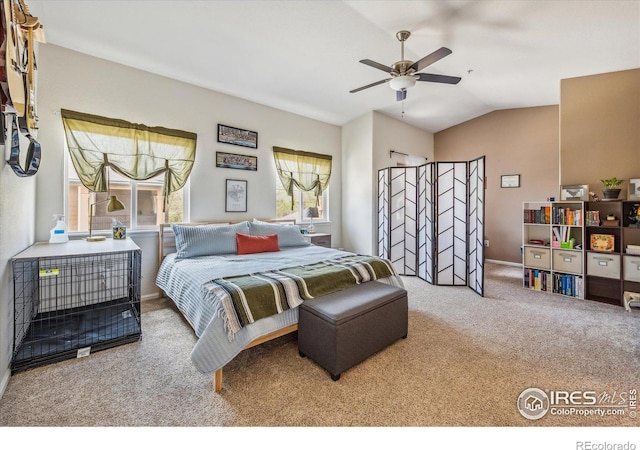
(611, 190)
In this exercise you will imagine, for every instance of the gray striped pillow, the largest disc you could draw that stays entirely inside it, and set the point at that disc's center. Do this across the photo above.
(203, 240)
(288, 235)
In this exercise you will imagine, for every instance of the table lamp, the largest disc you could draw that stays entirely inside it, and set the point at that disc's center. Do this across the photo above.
(311, 213)
(114, 205)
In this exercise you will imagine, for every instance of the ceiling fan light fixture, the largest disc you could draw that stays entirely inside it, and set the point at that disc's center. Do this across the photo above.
(402, 82)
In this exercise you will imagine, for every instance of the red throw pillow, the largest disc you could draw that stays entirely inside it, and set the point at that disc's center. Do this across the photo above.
(256, 244)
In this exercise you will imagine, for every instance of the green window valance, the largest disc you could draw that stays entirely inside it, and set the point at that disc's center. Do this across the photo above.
(305, 170)
(133, 150)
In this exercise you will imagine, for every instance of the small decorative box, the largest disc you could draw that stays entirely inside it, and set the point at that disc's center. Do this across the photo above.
(119, 232)
(602, 242)
(633, 249)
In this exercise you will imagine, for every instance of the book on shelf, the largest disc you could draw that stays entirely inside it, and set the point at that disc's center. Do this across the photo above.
(543, 242)
(541, 215)
(567, 216)
(538, 280)
(593, 218)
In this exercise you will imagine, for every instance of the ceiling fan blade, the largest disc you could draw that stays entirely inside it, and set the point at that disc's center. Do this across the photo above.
(370, 85)
(401, 95)
(376, 65)
(430, 59)
(437, 78)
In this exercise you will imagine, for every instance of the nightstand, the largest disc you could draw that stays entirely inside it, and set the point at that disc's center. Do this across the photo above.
(321, 239)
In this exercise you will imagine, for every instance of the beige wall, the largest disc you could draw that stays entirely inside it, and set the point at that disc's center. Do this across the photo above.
(75, 81)
(366, 142)
(393, 134)
(600, 128)
(72, 80)
(516, 141)
(593, 134)
(357, 142)
(17, 219)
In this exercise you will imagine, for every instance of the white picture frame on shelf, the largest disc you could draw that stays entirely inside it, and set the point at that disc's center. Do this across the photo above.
(633, 189)
(574, 193)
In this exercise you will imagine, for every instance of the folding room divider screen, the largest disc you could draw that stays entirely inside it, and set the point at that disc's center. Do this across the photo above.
(431, 221)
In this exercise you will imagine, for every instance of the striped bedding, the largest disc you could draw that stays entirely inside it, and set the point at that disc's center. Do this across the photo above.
(185, 282)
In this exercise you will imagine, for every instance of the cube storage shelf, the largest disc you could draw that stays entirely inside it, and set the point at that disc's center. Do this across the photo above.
(570, 248)
(613, 262)
(552, 255)
(74, 298)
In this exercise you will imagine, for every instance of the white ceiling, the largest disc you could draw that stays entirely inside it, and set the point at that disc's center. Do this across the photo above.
(302, 56)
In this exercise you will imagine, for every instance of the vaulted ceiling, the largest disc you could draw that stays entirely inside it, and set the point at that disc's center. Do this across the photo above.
(303, 56)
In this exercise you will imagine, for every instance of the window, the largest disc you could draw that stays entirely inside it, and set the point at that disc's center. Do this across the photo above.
(304, 179)
(143, 203)
(306, 199)
(145, 168)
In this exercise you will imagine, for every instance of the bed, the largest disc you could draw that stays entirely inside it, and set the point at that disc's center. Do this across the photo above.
(192, 256)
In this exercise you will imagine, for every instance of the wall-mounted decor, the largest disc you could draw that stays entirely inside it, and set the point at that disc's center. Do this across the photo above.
(236, 196)
(633, 191)
(510, 181)
(577, 192)
(237, 136)
(234, 161)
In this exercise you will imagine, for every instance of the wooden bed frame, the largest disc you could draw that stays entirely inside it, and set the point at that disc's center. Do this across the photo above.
(167, 245)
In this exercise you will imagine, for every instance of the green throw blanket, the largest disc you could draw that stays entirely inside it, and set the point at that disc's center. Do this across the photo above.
(247, 298)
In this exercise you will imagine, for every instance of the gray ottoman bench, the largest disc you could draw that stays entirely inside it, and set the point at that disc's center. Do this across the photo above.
(342, 329)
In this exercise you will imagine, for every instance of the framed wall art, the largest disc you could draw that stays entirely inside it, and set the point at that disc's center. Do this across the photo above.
(577, 192)
(237, 136)
(236, 196)
(633, 191)
(234, 161)
(509, 181)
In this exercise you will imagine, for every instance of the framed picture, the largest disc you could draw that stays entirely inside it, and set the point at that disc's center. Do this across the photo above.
(603, 242)
(510, 181)
(237, 136)
(633, 191)
(578, 192)
(234, 161)
(236, 196)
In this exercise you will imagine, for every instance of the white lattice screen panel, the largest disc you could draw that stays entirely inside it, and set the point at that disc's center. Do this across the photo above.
(431, 221)
(451, 225)
(383, 213)
(476, 226)
(425, 222)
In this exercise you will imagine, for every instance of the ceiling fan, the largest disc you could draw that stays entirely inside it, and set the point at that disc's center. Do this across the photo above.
(404, 73)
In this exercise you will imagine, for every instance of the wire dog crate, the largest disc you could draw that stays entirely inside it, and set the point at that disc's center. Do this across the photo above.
(73, 299)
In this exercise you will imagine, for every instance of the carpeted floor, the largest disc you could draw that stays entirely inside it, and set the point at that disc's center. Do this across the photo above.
(465, 362)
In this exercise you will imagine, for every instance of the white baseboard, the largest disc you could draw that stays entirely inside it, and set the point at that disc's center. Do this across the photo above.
(504, 263)
(150, 297)
(5, 381)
